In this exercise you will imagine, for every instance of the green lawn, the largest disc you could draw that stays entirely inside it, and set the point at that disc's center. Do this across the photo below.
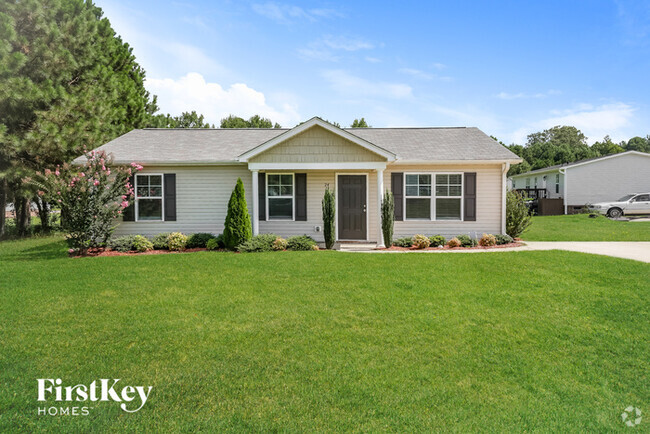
(579, 227)
(328, 341)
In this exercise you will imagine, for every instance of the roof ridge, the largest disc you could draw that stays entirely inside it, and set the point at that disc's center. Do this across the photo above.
(212, 129)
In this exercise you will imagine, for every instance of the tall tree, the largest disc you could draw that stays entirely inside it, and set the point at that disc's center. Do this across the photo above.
(185, 120)
(359, 123)
(638, 144)
(66, 82)
(606, 147)
(256, 121)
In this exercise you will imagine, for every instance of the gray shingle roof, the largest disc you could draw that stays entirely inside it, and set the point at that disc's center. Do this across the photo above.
(150, 146)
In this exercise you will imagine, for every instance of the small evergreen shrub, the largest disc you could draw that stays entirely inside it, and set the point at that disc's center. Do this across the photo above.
(517, 214)
(437, 241)
(198, 240)
(237, 228)
(503, 239)
(454, 242)
(212, 244)
(161, 241)
(329, 216)
(403, 242)
(141, 244)
(301, 242)
(220, 242)
(487, 240)
(279, 244)
(420, 241)
(259, 243)
(388, 217)
(177, 241)
(122, 244)
(467, 241)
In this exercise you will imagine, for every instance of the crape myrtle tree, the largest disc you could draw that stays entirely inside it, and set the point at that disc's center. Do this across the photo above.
(237, 228)
(66, 80)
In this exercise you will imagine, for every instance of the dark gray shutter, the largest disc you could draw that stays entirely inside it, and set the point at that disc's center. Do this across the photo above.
(301, 197)
(128, 215)
(470, 197)
(397, 187)
(170, 197)
(261, 195)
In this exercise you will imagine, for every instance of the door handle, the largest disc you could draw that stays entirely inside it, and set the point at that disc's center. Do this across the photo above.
(364, 207)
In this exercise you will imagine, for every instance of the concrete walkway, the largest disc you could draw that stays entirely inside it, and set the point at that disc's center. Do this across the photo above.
(637, 250)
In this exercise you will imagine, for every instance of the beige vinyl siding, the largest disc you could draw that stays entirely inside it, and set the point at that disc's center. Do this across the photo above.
(202, 195)
(608, 179)
(488, 203)
(316, 145)
(316, 182)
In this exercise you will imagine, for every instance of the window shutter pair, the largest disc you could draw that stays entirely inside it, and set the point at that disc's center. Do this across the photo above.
(397, 187)
(169, 199)
(300, 194)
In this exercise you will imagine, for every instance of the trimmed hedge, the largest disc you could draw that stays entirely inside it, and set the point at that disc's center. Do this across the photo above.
(198, 240)
(301, 242)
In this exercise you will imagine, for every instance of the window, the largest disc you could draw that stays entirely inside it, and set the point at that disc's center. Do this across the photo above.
(418, 197)
(642, 198)
(527, 182)
(449, 192)
(557, 183)
(279, 194)
(535, 182)
(149, 197)
(514, 184)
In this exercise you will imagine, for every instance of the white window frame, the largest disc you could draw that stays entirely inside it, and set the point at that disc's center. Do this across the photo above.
(557, 183)
(514, 183)
(293, 197)
(430, 196)
(433, 196)
(527, 182)
(137, 199)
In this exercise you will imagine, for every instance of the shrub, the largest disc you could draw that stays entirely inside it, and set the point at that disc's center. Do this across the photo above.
(517, 215)
(437, 241)
(212, 244)
(280, 244)
(420, 241)
(122, 244)
(198, 240)
(220, 242)
(301, 242)
(237, 228)
(388, 217)
(487, 240)
(503, 239)
(329, 216)
(161, 241)
(259, 243)
(177, 241)
(403, 242)
(454, 242)
(141, 244)
(91, 197)
(466, 241)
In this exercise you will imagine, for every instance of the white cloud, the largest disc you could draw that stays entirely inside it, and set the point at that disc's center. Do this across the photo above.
(348, 84)
(522, 95)
(346, 44)
(192, 92)
(286, 14)
(324, 48)
(370, 59)
(416, 73)
(594, 121)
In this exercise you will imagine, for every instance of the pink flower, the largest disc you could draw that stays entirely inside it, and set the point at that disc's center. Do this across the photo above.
(82, 174)
(96, 183)
(108, 172)
(119, 212)
(56, 172)
(71, 251)
(58, 192)
(124, 204)
(41, 193)
(48, 172)
(124, 197)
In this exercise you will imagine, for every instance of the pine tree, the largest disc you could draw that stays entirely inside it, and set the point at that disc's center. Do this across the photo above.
(388, 218)
(237, 228)
(329, 212)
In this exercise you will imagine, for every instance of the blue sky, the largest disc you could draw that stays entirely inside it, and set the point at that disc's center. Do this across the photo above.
(509, 68)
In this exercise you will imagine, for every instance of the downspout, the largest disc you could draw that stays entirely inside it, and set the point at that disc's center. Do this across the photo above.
(504, 187)
(566, 206)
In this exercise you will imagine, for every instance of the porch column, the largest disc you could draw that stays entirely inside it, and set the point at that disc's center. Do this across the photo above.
(256, 195)
(380, 198)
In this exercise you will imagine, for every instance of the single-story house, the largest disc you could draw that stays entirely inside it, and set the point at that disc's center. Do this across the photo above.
(589, 181)
(445, 181)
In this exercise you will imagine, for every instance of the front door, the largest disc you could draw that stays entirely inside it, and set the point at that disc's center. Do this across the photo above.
(352, 207)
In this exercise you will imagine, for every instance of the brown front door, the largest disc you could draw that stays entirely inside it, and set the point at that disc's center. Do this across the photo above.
(352, 207)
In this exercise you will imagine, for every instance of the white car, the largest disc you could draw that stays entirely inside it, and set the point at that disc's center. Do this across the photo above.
(630, 204)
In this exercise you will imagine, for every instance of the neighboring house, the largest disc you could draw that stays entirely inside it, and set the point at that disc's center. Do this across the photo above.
(584, 182)
(446, 181)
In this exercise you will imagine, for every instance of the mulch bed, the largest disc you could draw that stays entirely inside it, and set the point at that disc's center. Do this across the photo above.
(414, 249)
(108, 252)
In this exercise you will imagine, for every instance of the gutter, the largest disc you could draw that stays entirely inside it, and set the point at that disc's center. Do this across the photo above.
(563, 172)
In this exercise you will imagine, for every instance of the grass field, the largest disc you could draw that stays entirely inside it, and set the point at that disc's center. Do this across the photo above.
(328, 341)
(579, 227)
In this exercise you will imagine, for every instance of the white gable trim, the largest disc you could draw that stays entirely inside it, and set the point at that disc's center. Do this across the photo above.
(607, 157)
(246, 156)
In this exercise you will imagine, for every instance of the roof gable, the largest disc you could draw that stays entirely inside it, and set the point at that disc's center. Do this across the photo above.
(343, 137)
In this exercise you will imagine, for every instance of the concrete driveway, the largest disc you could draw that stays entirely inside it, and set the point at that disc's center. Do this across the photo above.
(637, 250)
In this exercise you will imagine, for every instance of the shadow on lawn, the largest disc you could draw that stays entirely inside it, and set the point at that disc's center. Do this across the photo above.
(51, 249)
